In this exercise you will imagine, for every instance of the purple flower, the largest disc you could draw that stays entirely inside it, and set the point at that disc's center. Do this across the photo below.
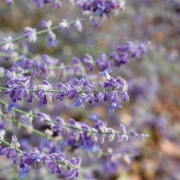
(9, 45)
(103, 62)
(46, 59)
(93, 117)
(14, 142)
(30, 34)
(34, 157)
(24, 169)
(9, 152)
(125, 95)
(113, 107)
(66, 90)
(9, 2)
(43, 117)
(2, 126)
(101, 8)
(78, 25)
(52, 41)
(12, 105)
(34, 67)
(78, 103)
(54, 162)
(84, 142)
(59, 126)
(125, 52)
(63, 25)
(18, 88)
(39, 3)
(56, 4)
(42, 94)
(88, 60)
(82, 80)
(51, 36)
(106, 73)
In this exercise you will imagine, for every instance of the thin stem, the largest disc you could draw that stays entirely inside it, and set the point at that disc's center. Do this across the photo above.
(4, 103)
(22, 152)
(59, 91)
(34, 130)
(64, 125)
(40, 32)
(3, 88)
(5, 142)
(66, 164)
(51, 68)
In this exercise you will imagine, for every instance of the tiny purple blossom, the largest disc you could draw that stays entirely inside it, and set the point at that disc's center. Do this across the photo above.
(9, 45)
(106, 73)
(9, 2)
(78, 103)
(113, 107)
(39, 3)
(44, 96)
(63, 25)
(14, 143)
(24, 169)
(12, 105)
(30, 34)
(46, 24)
(59, 125)
(103, 62)
(51, 36)
(88, 60)
(52, 41)
(78, 25)
(43, 117)
(18, 88)
(56, 4)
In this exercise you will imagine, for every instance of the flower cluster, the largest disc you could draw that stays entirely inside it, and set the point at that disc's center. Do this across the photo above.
(51, 36)
(123, 55)
(98, 7)
(86, 91)
(56, 4)
(80, 134)
(84, 135)
(32, 67)
(82, 89)
(18, 88)
(88, 137)
(55, 162)
(101, 7)
(31, 34)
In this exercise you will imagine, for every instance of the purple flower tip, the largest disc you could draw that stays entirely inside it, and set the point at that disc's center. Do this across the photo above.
(12, 105)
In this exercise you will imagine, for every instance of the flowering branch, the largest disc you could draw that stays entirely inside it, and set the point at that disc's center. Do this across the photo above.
(82, 89)
(59, 91)
(31, 34)
(55, 162)
(15, 121)
(97, 132)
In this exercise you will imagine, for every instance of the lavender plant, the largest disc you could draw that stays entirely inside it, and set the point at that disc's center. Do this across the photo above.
(46, 97)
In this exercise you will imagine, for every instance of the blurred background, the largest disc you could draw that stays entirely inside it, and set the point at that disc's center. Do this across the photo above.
(154, 81)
